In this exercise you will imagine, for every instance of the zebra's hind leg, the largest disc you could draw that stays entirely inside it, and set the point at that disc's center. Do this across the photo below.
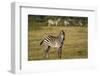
(59, 51)
(46, 51)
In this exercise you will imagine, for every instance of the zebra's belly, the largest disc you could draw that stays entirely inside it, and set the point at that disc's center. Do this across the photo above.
(55, 45)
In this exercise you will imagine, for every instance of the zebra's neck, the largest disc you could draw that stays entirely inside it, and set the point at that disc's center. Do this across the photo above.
(61, 38)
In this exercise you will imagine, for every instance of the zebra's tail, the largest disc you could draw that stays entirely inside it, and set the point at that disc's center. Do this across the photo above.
(41, 42)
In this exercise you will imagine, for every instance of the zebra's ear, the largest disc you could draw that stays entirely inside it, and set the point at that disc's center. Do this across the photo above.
(63, 32)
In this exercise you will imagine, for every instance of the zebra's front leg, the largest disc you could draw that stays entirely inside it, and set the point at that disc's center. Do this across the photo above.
(59, 51)
(46, 51)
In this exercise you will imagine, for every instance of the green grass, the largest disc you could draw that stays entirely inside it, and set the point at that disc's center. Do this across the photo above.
(75, 44)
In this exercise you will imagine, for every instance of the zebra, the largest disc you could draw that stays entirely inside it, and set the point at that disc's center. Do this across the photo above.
(53, 22)
(80, 23)
(50, 22)
(57, 21)
(54, 42)
(66, 22)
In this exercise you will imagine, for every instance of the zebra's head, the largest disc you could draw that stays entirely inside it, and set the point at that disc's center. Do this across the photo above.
(62, 35)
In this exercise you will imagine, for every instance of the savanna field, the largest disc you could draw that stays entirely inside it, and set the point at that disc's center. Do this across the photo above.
(75, 44)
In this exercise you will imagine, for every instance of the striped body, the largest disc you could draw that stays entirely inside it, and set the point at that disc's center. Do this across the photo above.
(52, 41)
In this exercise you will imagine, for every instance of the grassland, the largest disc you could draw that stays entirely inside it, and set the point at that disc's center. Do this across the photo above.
(75, 44)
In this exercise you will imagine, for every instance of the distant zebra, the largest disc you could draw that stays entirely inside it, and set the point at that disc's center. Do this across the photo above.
(80, 23)
(53, 22)
(54, 42)
(66, 23)
(57, 21)
(50, 22)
